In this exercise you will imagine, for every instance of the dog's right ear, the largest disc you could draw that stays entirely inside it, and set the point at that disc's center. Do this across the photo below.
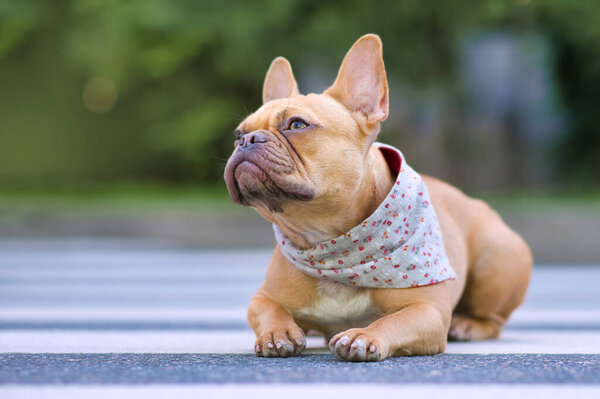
(279, 82)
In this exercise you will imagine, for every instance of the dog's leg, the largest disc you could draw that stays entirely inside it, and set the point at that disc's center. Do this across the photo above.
(417, 329)
(496, 284)
(277, 333)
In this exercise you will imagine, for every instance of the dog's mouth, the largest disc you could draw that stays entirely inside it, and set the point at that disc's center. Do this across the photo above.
(252, 182)
(252, 179)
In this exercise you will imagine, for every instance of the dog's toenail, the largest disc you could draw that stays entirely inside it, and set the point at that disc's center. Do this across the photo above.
(278, 345)
(269, 345)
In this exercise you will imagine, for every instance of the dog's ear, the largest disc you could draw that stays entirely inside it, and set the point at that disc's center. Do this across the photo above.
(279, 82)
(361, 84)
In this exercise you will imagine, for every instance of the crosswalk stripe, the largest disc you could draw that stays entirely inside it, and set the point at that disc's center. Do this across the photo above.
(172, 302)
(293, 391)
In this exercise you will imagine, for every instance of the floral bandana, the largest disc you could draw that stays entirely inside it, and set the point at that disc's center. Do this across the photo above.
(400, 245)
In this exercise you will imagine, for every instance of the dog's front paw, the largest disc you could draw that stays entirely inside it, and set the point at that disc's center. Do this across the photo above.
(357, 345)
(283, 342)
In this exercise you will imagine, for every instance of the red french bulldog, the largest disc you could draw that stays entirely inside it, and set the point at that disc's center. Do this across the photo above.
(348, 214)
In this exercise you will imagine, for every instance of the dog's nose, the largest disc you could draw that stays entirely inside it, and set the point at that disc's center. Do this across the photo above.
(252, 138)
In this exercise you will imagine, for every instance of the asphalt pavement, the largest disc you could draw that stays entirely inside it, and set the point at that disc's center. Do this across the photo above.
(126, 318)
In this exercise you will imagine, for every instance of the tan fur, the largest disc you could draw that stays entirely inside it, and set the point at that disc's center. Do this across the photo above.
(335, 161)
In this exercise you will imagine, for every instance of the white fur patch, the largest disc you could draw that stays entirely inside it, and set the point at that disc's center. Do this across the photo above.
(339, 304)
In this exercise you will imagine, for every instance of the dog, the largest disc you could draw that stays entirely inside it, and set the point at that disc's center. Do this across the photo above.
(310, 165)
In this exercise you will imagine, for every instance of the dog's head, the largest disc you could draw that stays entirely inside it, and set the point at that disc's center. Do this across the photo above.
(309, 152)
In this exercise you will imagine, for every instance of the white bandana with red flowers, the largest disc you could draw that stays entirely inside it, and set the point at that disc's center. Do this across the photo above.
(400, 245)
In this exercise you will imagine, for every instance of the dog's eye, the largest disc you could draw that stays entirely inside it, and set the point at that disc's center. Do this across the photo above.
(297, 124)
(238, 134)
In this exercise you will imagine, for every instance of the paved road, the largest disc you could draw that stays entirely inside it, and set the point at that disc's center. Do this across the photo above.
(100, 319)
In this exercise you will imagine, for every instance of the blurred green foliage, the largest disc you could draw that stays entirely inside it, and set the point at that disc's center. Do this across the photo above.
(186, 72)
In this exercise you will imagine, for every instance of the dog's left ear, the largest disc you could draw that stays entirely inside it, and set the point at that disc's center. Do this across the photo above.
(279, 82)
(361, 84)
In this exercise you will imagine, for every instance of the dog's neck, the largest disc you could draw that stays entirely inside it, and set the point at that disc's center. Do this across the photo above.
(335, 219)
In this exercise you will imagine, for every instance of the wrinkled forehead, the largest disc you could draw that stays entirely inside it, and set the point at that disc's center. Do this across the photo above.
(312, 108)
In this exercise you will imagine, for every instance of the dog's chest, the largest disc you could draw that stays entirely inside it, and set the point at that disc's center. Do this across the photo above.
(339, 305)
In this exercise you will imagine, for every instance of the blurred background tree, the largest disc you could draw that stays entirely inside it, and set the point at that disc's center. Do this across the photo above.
(487, 94)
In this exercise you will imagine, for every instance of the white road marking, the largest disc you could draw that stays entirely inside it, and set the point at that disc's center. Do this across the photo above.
(227, 341)
(163, 286)
(292, 391)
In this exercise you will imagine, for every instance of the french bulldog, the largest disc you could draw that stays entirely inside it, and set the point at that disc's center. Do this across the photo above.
(310, 165)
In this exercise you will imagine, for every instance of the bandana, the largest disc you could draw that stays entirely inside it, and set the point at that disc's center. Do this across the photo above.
(400, 245)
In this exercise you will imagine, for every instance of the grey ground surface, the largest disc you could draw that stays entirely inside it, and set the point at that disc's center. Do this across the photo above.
(98, 313)
(227, 368)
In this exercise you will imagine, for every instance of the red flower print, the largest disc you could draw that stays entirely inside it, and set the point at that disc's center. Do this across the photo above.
(396, 266)
(340, 262)
(405, 277)
(333, 241)
(361, 248)
(373, 267)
